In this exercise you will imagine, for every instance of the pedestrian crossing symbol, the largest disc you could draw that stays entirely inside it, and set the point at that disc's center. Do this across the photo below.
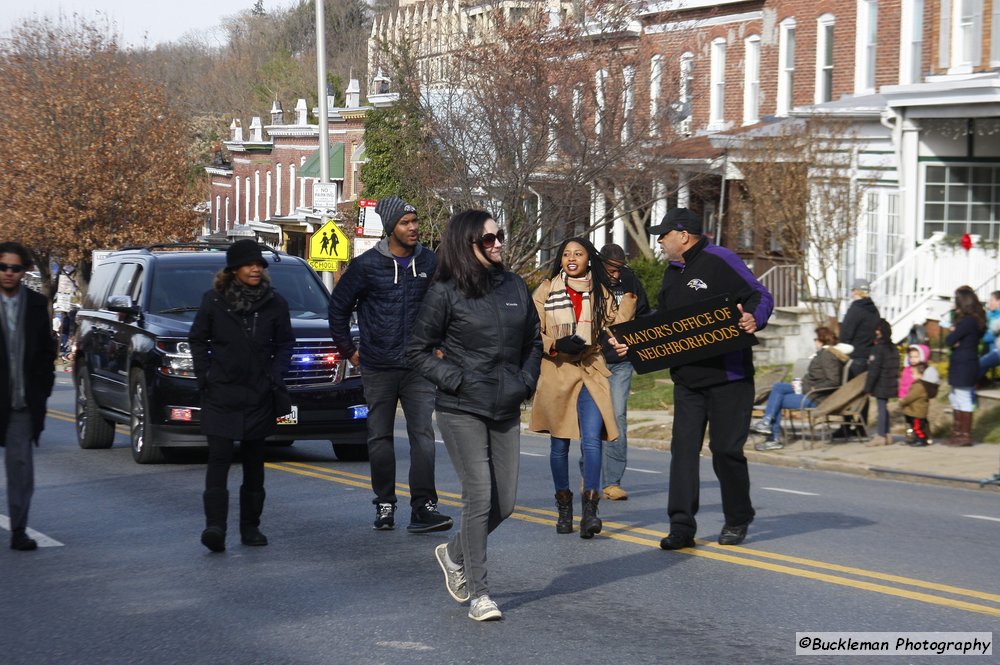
(327, 247)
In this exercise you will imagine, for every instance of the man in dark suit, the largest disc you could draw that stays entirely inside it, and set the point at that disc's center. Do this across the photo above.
(27, 372)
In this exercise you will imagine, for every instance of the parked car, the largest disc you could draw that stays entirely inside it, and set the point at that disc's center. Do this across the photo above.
(133, 362)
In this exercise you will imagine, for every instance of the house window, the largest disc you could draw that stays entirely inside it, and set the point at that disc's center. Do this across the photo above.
(655, 78)
(683, 105)
(277, 190)
(629, 103)
(911, 48)
(962, 199)
(599, 79)
(717, 89)
(824, 58)
(786, 65)
(966, 42)
(864, 72)
(751, 80)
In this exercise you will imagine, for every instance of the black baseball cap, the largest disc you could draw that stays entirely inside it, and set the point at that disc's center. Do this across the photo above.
(678, 219)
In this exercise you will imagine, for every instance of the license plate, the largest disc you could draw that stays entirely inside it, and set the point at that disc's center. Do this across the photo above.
(290, 418)
(360, 411)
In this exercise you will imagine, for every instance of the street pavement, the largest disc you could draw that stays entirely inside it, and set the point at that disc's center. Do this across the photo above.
(964, 467)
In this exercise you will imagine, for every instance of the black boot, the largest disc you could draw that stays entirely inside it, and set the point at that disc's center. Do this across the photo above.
(216, 512)
(590, 523)
(564, 503)
(251, 506)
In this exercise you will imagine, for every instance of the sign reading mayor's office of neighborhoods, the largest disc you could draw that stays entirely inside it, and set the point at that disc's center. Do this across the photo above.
(683, 335)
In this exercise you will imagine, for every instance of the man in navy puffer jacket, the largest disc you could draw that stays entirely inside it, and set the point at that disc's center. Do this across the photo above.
(386, 285)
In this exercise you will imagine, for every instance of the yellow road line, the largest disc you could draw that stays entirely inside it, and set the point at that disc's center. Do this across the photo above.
(626, 533)
(630, 534)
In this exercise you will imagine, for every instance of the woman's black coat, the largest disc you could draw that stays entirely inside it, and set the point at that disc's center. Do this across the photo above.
(239, 361)
(963, 366)
(492, 347)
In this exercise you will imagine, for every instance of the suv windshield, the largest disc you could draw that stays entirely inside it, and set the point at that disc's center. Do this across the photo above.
(179, 289)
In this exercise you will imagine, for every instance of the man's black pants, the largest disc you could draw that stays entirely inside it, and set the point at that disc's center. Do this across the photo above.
(725, 410)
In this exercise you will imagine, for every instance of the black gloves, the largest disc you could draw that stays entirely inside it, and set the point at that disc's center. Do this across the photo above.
(570, 344)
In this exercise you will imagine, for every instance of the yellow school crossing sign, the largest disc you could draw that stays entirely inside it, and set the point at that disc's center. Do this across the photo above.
(328, 247)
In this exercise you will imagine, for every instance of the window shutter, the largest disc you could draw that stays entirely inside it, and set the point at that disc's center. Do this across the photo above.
(977, 32)
(944, 36)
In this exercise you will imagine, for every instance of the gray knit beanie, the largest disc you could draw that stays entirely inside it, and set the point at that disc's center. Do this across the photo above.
(390, 209)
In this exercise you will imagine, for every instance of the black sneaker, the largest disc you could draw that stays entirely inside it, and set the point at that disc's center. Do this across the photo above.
(19, 540)
(385, 517)
(426, 518)
(676, 541)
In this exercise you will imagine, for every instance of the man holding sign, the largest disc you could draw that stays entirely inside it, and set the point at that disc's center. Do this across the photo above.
(715, 391)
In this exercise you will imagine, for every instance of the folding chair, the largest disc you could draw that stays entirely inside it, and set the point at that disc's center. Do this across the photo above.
(842, 406)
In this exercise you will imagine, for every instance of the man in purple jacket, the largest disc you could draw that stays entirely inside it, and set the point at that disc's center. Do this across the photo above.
(714, 392)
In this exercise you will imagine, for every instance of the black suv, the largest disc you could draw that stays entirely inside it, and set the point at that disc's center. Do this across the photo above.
(133, 360)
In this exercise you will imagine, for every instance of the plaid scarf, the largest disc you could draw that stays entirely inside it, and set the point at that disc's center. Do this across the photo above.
(560, 317)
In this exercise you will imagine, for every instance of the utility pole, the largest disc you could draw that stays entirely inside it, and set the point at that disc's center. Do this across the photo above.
(324, 120)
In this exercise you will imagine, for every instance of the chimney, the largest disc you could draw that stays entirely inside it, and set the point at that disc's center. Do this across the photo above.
(300, 112)
(256, 132)
(277, 116)
(235, 130)
(353, 94)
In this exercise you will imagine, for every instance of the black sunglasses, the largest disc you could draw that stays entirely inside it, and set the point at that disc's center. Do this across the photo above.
(488, 240)
(16, 267)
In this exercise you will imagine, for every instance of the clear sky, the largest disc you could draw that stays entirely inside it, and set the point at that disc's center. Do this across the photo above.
(139, 22)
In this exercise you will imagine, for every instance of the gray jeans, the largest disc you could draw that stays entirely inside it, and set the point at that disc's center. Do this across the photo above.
(384, 389)
(19, 460)
(616, 452)
(485, 454)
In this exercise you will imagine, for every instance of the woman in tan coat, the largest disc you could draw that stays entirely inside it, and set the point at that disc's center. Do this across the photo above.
(573, 399)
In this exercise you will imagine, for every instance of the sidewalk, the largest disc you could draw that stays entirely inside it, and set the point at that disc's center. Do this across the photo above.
(961, 467)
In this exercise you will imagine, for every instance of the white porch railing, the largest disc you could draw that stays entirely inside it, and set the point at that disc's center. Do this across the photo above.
(785, 284)
(922, 284)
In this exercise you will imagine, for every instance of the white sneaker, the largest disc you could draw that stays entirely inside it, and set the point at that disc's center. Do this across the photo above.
(454, 574)
(484, 609)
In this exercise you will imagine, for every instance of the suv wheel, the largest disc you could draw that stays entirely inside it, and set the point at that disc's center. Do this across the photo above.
(350, 452)
(93, 431)
(143, 449)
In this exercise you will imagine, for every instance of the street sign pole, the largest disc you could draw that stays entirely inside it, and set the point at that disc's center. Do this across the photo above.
(324, 120)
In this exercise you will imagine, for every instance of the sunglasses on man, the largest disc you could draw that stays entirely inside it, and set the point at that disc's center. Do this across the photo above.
(11, 267)
(488, 240)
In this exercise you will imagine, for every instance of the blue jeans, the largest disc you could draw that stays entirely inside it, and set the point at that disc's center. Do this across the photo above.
(782, 396)
(989, 361)
(616, 452)
(591, 422)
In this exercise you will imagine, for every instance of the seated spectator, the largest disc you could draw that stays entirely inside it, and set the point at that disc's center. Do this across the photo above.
(916, 404)
(991, 338)
(825, 371)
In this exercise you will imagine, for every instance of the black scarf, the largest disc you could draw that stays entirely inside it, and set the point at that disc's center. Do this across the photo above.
(245, 299)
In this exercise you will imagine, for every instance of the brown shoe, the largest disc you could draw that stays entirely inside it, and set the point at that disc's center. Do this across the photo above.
(615, 493)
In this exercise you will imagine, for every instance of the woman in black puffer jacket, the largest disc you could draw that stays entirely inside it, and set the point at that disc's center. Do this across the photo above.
(241, 342)
(968, 324)
(477, 339)
(883, 378)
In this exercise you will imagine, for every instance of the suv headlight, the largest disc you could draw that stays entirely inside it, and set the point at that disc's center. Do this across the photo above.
(177, 359)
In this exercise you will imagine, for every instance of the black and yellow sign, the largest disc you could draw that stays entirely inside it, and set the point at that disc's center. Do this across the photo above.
(328, 247)
(684, 335)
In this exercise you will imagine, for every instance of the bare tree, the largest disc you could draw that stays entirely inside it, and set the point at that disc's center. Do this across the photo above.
(95, 156)
(535, 119)
(800, 202)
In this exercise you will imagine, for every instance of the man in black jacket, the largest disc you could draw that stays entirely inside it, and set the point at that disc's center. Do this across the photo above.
(858, 327)
(716, 392)
(27, 373)
(386, 285)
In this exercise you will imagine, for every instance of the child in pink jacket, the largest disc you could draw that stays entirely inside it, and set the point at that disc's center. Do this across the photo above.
(915, 353)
